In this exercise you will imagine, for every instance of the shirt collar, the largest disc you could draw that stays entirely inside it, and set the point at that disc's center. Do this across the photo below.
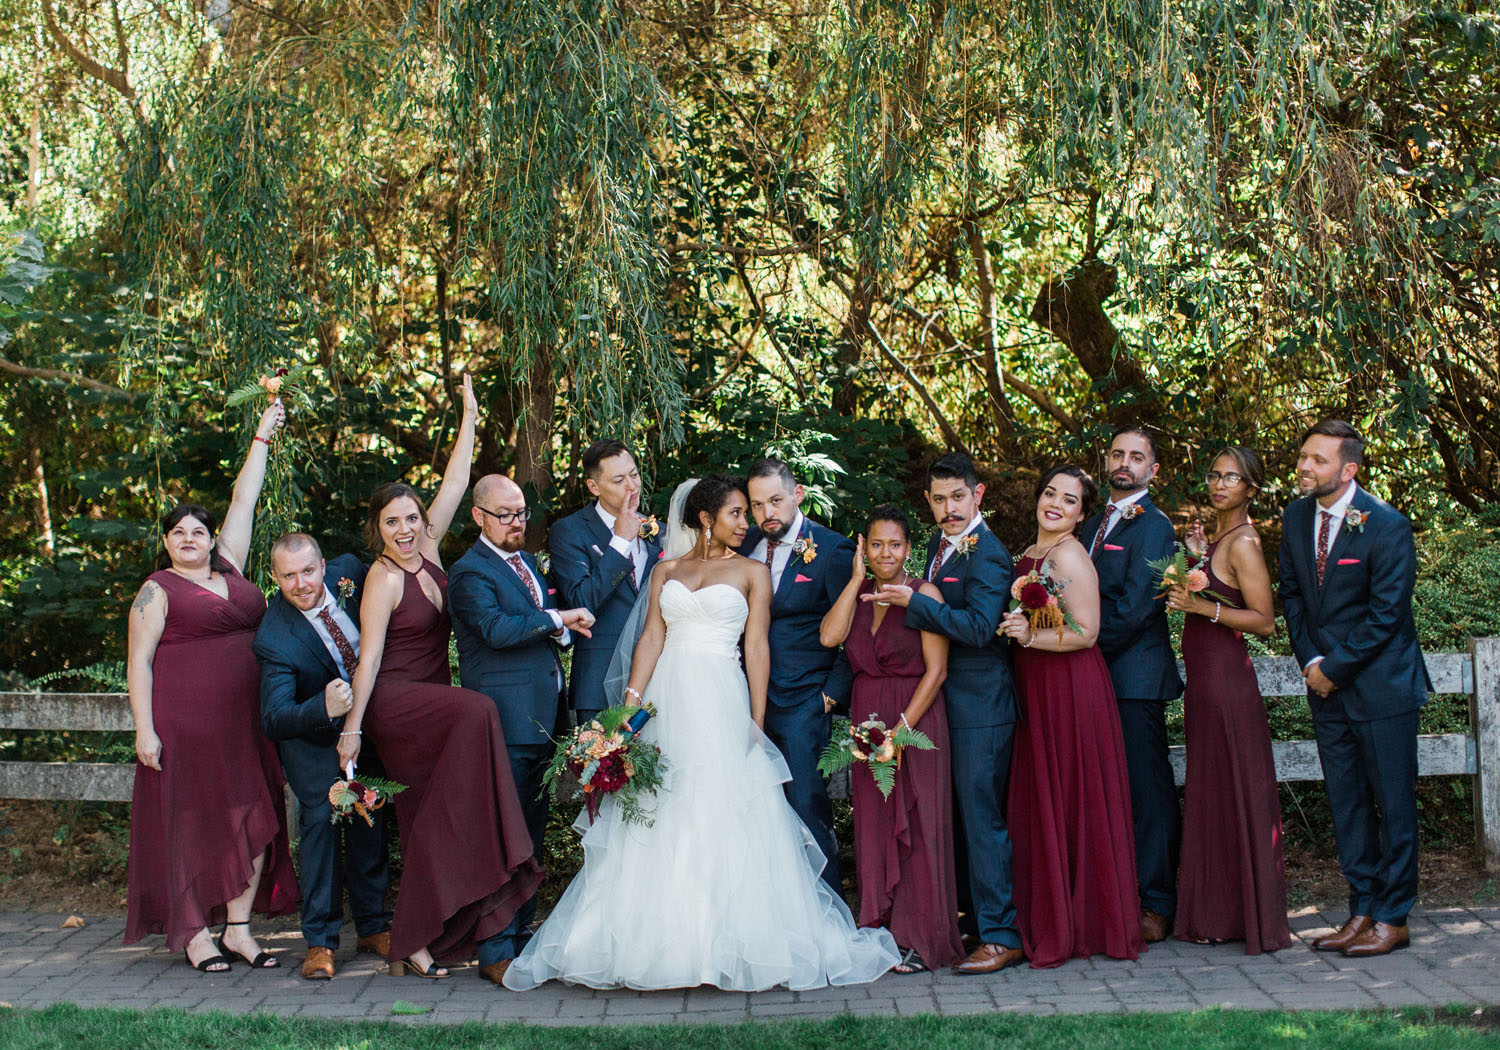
(1125, 501)
(503, 555)
(793, 530)
(328, 599)
(604, 516)
(1339, 508)
(974, 523)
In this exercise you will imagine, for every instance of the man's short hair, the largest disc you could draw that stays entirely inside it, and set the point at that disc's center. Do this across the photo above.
(770, 467)
(604, 448)
(290, 542)
(1136, 428)
(1351, 444)
(953, 465)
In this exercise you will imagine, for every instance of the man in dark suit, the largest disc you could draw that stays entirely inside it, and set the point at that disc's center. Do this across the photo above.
(308, 646)
(810, 566)
(973, 570)
(602, 556)
(1348, 566)
(1137, 645)
(509, 631)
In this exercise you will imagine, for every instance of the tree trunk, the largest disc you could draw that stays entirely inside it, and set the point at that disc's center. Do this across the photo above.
(534, 438)
(852, 336)
(46, 543)
(34, 137)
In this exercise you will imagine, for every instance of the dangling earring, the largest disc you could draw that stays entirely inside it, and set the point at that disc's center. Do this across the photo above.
(706, 543)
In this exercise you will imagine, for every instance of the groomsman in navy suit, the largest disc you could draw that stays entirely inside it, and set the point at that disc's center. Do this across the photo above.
(602, 556)
(810, 567)
(308, 646)
(973, 570)
(1348, 566)
(1137, 645)
(509, 632)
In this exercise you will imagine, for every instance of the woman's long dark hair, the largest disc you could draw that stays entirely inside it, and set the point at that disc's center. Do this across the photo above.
(382, 498)
(216, 561)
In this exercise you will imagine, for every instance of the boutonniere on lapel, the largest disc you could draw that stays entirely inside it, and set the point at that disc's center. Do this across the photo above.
(650, 528)
(964, 546)
(1135, 510)
(805, 549)
(346, 590)
(1356, 519)
(544, 562)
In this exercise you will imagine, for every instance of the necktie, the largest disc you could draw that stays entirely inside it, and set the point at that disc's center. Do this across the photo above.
(942, 551)
(1109, 513)
(1323, 525)
(340, 640)
(520, 567)
(771, 546)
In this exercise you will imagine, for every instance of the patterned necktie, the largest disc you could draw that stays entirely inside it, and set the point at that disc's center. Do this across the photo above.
(520, 566)
(1109, 513)
(771, 546)
(1327, 520)
(942, 551)
(340, 640)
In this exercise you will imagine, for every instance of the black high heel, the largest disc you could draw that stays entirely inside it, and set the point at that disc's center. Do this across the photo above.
(203, 967)
(402, 967)
(263, 961)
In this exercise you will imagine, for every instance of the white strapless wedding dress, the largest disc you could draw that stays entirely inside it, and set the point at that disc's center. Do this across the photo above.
(724, 887)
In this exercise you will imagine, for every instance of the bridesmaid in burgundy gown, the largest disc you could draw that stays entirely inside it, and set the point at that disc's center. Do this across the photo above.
(903, 845)
(1232, 882)
(468, 862)
(1069, 800)
(208, 839)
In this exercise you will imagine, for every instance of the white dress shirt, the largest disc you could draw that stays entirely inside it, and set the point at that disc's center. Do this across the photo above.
(561, 633)
(1337, 510)
(346, 624)
(1117, 517)
(634, 549)
(947, 552)
(782, 556)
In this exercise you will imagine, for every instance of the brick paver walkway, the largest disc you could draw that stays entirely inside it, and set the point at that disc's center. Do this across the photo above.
(1454, 958)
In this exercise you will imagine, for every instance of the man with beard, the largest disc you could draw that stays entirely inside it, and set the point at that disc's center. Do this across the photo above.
(1137, 645)
(509, 631)
(810, 566)
(1348, 566)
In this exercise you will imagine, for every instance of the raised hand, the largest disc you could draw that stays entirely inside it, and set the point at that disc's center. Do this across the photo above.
(859, 557)
(271, 420)
(628, 521)
(471, 403)
(1196, 540)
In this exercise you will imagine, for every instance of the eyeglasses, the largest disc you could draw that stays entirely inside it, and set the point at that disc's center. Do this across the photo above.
(507, 517)
(1213, 477)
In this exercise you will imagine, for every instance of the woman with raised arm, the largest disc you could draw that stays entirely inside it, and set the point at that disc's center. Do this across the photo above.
(1232, 882)
(903, 845)
(723, 887)
(468, 862)
(208, 840)
(1069, 803)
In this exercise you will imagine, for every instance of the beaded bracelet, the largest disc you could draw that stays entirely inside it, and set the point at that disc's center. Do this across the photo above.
(353, 733)
(1218, 608)
(631, 691)
(264, 441)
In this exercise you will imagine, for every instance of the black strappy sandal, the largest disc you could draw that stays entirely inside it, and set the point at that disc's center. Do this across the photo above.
(402, 967)
(910, 963)
(263, 961)
(209, 965)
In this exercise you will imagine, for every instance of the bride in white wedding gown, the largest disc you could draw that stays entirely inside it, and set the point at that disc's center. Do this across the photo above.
(723, 888)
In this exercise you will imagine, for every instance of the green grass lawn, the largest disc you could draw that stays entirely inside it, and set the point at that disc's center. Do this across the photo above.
(71, 1028)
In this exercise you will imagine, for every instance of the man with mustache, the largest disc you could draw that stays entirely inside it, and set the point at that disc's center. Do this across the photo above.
(810, 566)
(1348, 566)
(308, 646)
(1137, 645)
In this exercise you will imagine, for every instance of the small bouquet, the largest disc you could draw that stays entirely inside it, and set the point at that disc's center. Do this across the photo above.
(362, 796)
(287, 383)
(872, 743)
(608, 758)
(1038, 594)
(1183, 569)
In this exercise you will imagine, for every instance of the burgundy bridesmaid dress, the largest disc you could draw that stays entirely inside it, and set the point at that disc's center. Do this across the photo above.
(1232, 880)
(1069, 810)
(197, 826)
(468, 862)
(903, 845)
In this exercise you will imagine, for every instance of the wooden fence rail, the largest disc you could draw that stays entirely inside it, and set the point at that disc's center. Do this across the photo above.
(1475, 674)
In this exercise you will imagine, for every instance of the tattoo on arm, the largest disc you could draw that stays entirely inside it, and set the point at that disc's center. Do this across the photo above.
(146, 596)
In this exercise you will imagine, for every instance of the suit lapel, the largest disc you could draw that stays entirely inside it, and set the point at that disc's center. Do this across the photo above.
(1347, 536)
(790, 572)
(502, 569)
(297, 626)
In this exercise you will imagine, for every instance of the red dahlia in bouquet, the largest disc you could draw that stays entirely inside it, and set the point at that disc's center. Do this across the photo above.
(875, 745)
(363, 796)
(1038, 594)
(609, 758)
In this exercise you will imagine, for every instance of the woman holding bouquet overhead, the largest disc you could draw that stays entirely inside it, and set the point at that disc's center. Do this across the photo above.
(1232, 882)
(208, 837)
(903, 843)
(1069, 805)
(468, 860)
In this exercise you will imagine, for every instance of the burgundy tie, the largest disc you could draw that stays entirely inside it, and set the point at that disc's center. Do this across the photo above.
(937, 562)
(1323, 544)
(519, 565)
(771, 546)
(1109, 512)
(340, 640)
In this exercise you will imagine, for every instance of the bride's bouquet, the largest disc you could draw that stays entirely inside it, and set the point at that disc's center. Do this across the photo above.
(608, 758)
(872, 743)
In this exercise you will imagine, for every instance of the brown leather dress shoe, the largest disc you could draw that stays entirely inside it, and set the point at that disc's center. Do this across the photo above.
(990, 958)
(1154, 926)
(318, 966)
(1380, 939)
(1337, 942)
(375, 944)
(495, 972)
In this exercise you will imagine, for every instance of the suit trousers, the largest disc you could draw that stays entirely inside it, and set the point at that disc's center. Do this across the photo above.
(331, 857)
(1156, 818)
(527, 764)
(801, 733)
(981, 774)
(1370, 766)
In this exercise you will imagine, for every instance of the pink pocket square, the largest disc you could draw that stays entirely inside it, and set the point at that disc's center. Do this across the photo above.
(551, 590)
(802, 579)
(950, 579)
(1348, 561)
(1112, 547)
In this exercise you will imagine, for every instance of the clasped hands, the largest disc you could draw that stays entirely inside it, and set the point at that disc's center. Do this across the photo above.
(1317, 681)
(1014, 625)
(579, 621)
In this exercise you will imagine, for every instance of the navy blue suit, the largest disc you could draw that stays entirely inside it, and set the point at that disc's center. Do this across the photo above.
(589, 574)
(1360, 621)
(1137, 645)
(981, 699)
(295, 669)
(802, 670)
(506, 651)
